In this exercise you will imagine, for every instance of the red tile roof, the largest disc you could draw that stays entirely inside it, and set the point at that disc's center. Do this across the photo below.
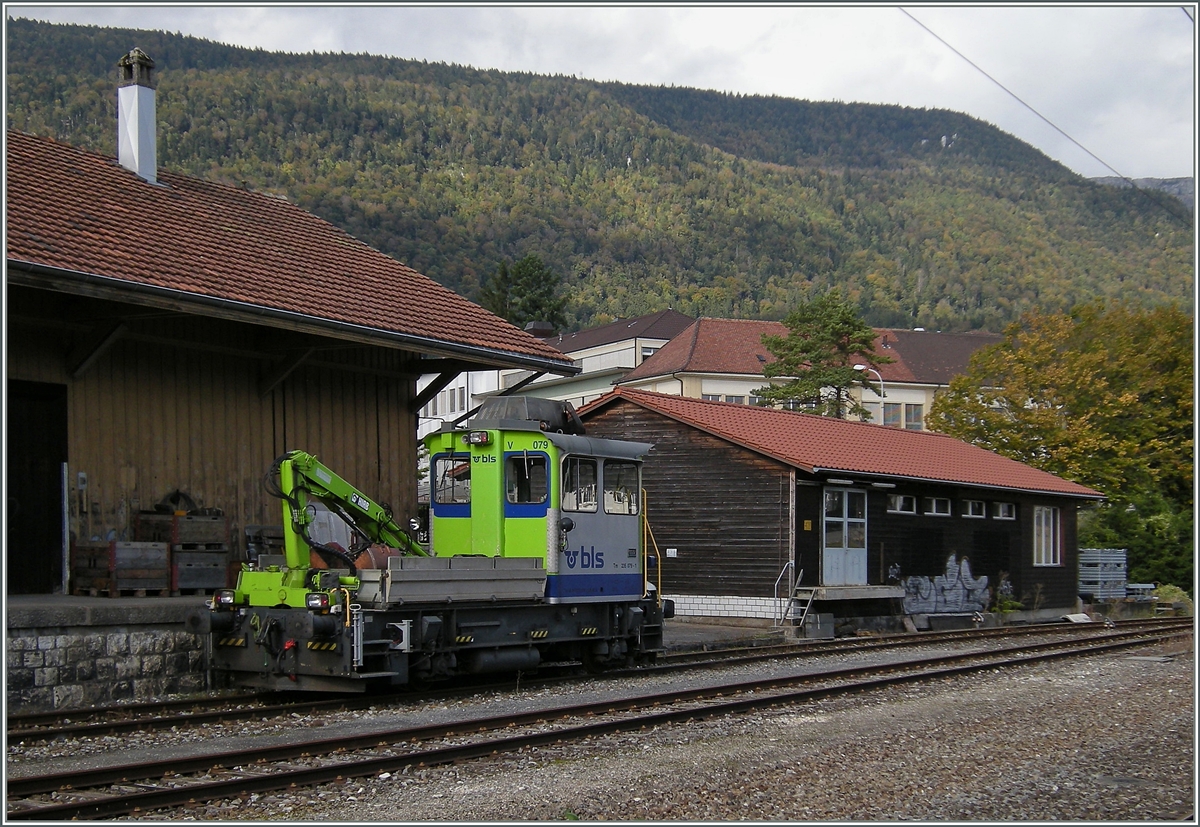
(712, 346)
(76, 211)
(816, 443)
(734, 346)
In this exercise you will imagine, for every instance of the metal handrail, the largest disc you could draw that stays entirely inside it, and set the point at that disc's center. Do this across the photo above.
(647, 534)
(789, 565)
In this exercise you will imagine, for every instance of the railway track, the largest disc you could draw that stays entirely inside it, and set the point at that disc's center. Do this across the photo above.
(151, 786)
(149, 717)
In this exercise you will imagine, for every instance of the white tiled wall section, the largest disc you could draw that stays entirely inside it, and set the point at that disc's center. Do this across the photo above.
(715, 605)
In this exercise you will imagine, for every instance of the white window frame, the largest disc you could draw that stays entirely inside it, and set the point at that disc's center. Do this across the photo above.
(914, 416)
(1047, 536)
(896, 503)
(974, 509)
(735, 398)
(893, 415)
(933, 506)
(1004, 511)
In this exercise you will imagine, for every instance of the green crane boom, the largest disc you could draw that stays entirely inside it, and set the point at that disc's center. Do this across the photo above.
(301, 477)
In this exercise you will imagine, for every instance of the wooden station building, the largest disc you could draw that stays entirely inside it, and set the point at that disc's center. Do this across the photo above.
(875, 520)
(169, 336)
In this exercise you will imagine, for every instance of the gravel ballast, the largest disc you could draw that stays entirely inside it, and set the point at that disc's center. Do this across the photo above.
(1098, 738)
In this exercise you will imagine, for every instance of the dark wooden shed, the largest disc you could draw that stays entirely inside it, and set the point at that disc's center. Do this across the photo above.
(176, 335)
(747, 497)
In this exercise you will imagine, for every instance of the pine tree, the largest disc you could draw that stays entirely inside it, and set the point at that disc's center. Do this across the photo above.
(825, 340)
(528, 291)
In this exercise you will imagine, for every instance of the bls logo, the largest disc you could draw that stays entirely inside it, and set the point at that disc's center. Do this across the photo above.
(584, 559)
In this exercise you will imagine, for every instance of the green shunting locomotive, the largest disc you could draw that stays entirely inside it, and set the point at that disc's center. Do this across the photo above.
(537, 554)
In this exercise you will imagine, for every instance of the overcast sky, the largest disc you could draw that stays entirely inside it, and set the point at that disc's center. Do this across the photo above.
(1118, 80)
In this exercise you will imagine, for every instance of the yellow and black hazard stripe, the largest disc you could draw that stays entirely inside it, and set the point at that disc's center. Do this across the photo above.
(322, 645)
(539, 634)
(588, 630)
(464, 639)
(240, 640)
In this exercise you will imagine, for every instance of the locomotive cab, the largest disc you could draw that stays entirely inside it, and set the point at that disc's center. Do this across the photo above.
(512, 487)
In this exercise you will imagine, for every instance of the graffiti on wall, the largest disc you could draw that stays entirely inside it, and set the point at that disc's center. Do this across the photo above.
(954, 591)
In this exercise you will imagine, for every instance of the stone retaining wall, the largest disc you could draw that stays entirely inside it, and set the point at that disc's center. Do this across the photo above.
(72, 653)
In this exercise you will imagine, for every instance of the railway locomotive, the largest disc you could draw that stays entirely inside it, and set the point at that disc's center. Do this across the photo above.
(537, 554)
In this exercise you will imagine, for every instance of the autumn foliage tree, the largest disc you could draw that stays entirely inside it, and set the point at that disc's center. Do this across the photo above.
(825, 340)
(1101, 396)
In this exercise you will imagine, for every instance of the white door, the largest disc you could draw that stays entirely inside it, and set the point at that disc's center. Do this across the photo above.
(844, 554)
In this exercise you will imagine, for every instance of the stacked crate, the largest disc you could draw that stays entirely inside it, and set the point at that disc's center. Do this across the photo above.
(200, 554)
(115, 567)
(1102, 574)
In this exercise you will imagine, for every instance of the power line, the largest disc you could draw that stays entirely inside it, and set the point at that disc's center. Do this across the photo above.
(1017, 98)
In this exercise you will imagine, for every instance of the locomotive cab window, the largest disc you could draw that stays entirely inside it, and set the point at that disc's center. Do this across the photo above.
(579, 485)
(620, 487)
(452, 479)
(525, 478)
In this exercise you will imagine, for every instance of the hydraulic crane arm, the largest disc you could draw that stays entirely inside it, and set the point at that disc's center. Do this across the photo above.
(301, 477)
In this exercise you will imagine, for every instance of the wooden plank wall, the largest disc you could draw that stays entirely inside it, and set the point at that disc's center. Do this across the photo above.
(727, 510)
(150, 417)
(920, 544)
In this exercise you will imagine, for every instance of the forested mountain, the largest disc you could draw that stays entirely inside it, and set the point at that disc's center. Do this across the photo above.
(641, 197)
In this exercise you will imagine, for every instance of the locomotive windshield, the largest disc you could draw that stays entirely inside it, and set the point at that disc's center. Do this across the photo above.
(579, 484)
(525, 478)
(620, 487)
(452, 479)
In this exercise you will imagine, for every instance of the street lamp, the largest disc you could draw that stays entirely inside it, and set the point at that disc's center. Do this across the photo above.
(882, 390)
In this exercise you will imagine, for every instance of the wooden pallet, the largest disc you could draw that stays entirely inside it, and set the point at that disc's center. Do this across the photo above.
(118, 568)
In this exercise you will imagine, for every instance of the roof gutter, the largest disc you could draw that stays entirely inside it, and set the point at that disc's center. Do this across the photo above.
(872, 475)
(108, 287)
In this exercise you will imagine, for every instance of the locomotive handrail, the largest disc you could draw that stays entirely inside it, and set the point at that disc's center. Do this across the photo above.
(647, 532)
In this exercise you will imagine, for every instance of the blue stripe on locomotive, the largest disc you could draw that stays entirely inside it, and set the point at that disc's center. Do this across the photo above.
(566, 587)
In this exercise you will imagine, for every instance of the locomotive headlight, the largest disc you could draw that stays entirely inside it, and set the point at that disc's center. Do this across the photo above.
(316, 601)
(223, 597)
(479, 438)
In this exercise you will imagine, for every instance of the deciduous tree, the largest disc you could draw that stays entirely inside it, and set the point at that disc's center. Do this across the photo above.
(1101, 396)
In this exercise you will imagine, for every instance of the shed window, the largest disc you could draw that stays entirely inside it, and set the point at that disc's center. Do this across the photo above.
(974, 508)
(845, 519)
(939, 506)
(579, 485)
(1047, 536)
(621, 487)
(902, 504)
(1004, 511)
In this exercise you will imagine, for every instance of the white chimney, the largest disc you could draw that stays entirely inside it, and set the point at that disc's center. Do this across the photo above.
(136, 121)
